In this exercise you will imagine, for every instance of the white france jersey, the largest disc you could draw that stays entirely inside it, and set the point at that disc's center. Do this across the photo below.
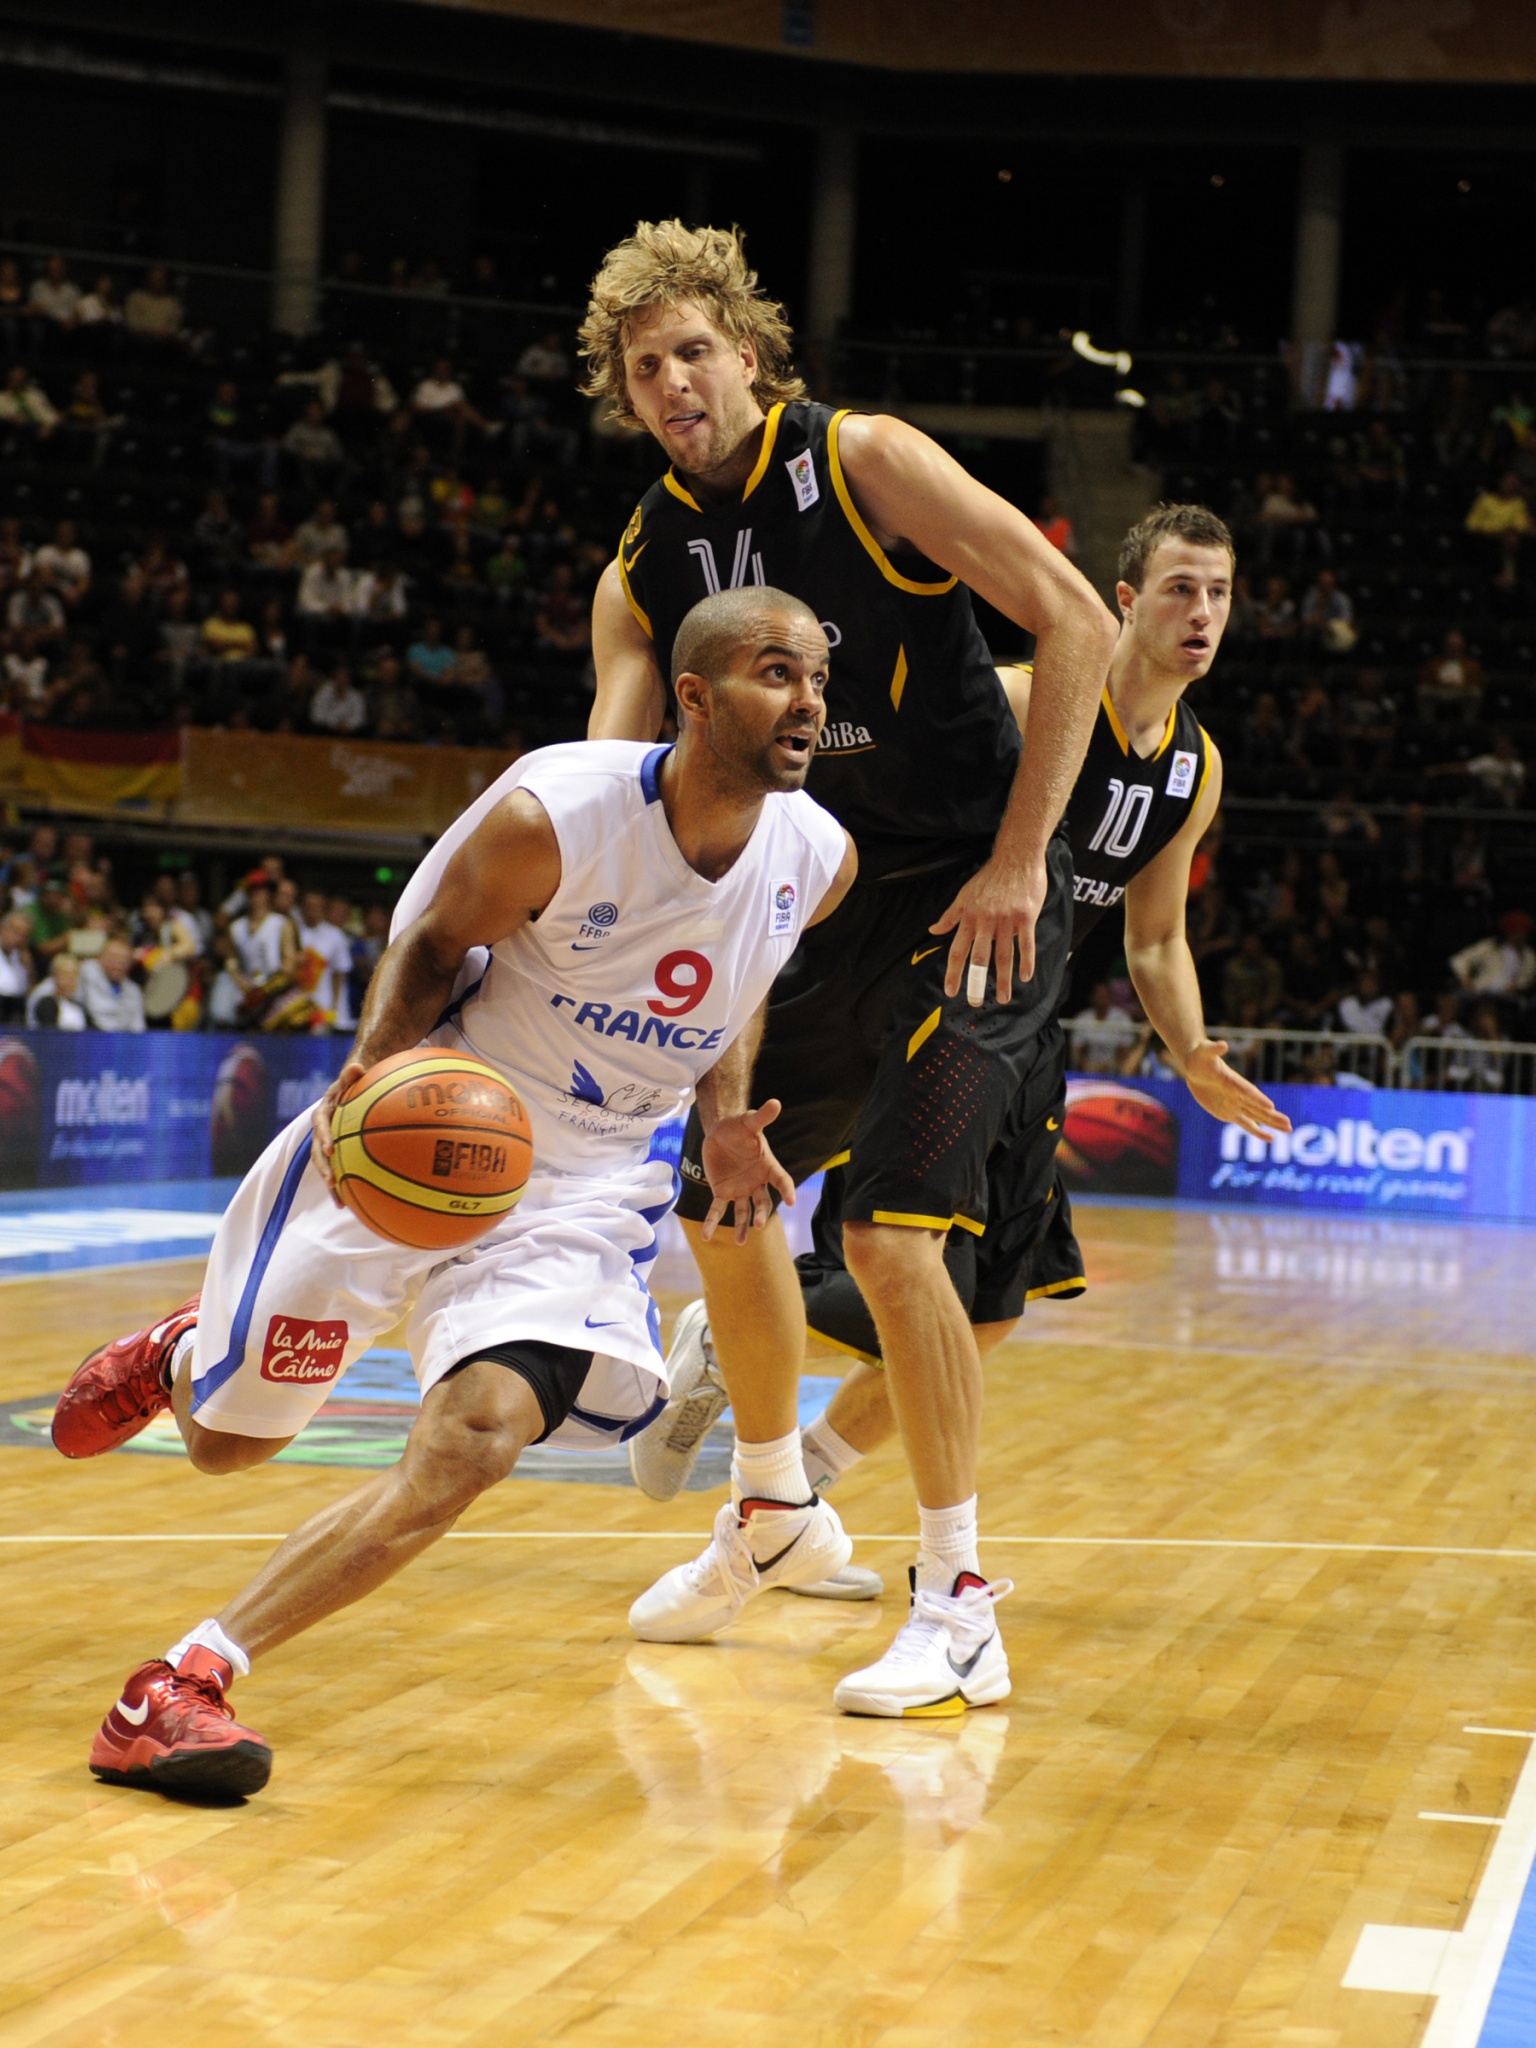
(605, 1010)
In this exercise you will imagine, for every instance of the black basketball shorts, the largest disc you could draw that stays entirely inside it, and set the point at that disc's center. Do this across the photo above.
(555, 1372)
(1027, 1250)
(880, 1072)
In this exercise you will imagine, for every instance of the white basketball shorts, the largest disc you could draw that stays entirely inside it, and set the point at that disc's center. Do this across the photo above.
(298, 1288)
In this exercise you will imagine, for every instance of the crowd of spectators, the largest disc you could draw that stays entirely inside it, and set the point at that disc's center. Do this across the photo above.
(311, 538)
(360, 535)
(274, 954)
(1375, 705)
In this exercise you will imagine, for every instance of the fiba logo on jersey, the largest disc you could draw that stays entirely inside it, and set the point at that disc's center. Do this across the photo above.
(781, 908)
(802, 474)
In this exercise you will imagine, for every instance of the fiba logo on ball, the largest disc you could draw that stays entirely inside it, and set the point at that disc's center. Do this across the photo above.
(1117, 1141)
(603, 915)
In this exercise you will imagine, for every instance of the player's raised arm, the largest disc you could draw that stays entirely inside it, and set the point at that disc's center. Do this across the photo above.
(631, 698)
(1162, 971)
(908, 489)
(505, 872)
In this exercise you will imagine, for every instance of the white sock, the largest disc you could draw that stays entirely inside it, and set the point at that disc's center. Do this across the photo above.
(946, 1543)
(770, 1471)
(209, 1636)
(181, 1350)
(827, 1455)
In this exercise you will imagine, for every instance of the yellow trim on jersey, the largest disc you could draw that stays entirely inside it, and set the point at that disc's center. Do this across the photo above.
(899, 680)
(872, 547)
(1123, 738)
(848, 1350)
(924, 1032)
(1114, 721)
(1056, 1287)
(966, 1223)
(677, 491)
(770, 435)
(837, 1159)
(1205, 772)
(642, 618)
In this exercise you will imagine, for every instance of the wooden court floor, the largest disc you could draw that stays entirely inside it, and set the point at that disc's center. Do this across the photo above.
(1269, 1498)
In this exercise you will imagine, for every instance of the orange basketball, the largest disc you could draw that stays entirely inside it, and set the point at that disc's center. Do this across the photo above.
(431, 1149)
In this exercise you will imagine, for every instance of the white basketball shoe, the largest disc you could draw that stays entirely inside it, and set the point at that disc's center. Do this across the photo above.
(661, 1457)
(947, 1656)
(760, 1544)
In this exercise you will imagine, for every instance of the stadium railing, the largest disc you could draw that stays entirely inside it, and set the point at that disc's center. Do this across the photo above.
(1475, 1066)
(1459, 1065)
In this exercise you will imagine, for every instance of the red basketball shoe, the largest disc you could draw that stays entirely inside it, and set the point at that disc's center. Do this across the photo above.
(120, 1389)
(173, 1731)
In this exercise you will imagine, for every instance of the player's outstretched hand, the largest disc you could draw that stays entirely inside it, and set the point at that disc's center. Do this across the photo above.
(320, 1121)
(994, 912)
(740, 1168)
(1227, 1095)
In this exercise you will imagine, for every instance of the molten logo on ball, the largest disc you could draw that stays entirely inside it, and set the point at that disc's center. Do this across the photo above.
(309, 1353)
(443, 1098)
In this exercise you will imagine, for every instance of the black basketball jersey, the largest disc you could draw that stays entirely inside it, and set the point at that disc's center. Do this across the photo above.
(919, 749)
(1124, 808)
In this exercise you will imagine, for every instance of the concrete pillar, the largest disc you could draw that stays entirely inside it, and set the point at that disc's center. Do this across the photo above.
(834, 214)
(299, 220)
(1319, 239)
(1133, 262)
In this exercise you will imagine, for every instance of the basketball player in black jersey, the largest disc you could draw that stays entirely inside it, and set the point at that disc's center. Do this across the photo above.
(869, 1042)
(1148, 790)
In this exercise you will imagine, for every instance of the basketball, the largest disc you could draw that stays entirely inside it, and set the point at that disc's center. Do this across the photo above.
(1117, 1141)
(431, 1149)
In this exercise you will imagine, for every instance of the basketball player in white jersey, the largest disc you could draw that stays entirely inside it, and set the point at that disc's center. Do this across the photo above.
(602, 926)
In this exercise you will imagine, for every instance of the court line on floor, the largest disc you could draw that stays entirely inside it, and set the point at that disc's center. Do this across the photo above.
(702, 1536)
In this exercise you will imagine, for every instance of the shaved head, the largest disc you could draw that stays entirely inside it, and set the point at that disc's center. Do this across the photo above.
(720, 627)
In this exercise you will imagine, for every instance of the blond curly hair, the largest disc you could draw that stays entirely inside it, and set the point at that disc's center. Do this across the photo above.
(665, 264)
